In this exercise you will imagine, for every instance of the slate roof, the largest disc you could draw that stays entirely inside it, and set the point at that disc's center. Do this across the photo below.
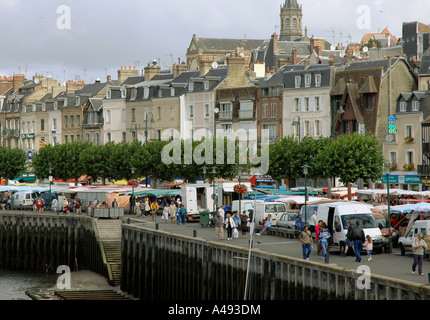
(133, 80)
(227, 44)
(425, 66)
(323, 69)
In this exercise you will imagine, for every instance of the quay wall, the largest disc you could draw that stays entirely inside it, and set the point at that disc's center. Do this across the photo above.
(43, 242)
(161, 265)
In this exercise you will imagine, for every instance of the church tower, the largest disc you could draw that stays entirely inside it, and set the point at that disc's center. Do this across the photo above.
(291, 21)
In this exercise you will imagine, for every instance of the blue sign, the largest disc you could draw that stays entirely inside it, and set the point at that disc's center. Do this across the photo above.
(29, 155)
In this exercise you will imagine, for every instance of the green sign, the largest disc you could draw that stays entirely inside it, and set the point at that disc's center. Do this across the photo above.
(396, 179)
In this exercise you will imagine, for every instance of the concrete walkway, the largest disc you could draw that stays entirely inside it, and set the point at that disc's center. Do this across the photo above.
(392, 265)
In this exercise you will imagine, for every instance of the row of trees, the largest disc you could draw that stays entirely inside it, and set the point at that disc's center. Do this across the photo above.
(349, 157)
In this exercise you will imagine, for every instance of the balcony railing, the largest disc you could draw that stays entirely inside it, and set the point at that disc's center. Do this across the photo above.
(225, 115)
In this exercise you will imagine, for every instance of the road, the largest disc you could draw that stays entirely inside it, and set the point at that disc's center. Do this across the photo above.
(392, 265)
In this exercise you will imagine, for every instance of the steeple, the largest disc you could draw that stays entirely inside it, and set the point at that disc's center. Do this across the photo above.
(291, 21)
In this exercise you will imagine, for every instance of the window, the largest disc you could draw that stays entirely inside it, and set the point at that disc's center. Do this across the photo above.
(109, 137)
(274, 110)
(66, 121)
(158, 135)
(108, 116)
(294, 23)
(271, 131)
(134, 93)
(123, 92)
(43, 107)
(172, 112)
(78, 101)
(298, 81)
(306, 104)
(191, 112)
(55, 105)
(317, 104)
(78, 137)
(409, 157)
(403, 105)
(307, 128)
(415, 105)
(66, 139)
(317, 80)
(276, 92)
(264, 110)
(72, 121)
(206, 85)
(54, 124)
(123, 137)
(225, 110)
(133, 114)
(124, 115)
(108, 95)
(191, 86)
(207, 111)
(307, 80)
(42, 124)
(296, 104)
(408, 131)
(172, 92)
(317, 128)
(72, 138)
(159, 113)
(78, 121)
(265, 92)
(393, 157)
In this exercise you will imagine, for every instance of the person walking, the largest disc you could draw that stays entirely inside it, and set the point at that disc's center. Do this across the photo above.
(357, 239)
(137, 207)
(166, 213)
(324, 235)
(317, 236)
(418, 247)
(172, 211)
(236, 219)
(154, 208)
(147, 207)
(229, 225)
(348, 241)
(369, 247)
(218, 221)
(307, 242)
(267, 225)
(313, 221)
(244, 224)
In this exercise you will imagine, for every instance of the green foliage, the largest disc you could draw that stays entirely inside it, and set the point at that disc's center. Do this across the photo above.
(12, 162)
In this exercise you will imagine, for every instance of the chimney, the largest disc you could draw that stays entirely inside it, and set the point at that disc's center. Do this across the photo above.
(318, 50)
(275, 42)
(109, 79)
(71, 86)
(331, 62)
(307, 63)
(151, 70)
(125, 73)
(281, 62)
(18, 81)
(179, 68)
(205, 65)
(294, 55)
(236, 70)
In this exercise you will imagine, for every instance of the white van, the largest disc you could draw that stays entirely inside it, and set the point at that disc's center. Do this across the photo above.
(420, 226)
(24, 199)
(336, 215)
(262, 209)
(245, 205)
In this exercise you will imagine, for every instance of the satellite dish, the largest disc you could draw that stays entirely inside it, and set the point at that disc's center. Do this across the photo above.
(332, 47)
(214, 65)
(365, 49)
(389, 138)
(36, 80)
(216, 110)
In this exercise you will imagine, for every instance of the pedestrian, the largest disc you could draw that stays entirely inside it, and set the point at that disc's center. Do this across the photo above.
(313, 221)
(172, 211)
(147, 207)
(178, 214)
(317, 236)
(54, 205)
(222, 211)
(357, 239)
(218, 221)
(154, 208)
(236, 219)
(369, 247)
(78, 206)
(348, 241)
(166, 213)
(229, 226)
(65, 205)
(183, 214)
(244, 223)
(114, 203)
(307, 242)
(267, 225)
(137, 207)
(324, 235)
(418, 247)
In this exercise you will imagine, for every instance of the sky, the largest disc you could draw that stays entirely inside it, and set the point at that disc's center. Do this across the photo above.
(77, 39)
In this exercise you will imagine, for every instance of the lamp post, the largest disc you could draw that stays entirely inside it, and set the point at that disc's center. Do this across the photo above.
(387, 172)
(204, 174)
(305, 172)
(296, 123)
(213, 188)
(239, 172)
(50, 185)
(146, 124)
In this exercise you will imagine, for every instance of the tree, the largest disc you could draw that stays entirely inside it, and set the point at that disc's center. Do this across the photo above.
(354, 156)
(13, 162)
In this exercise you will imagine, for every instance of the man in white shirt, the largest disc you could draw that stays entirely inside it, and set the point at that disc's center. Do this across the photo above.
(313, 222)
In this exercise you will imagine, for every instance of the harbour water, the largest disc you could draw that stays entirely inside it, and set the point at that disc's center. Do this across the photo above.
(13, 285)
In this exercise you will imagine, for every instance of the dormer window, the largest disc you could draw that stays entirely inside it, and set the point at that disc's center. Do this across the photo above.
(78, 100)
(123, 92)
(134, 93)
(297, 81)
(307, 80)
(191, 86)
(317, 80)
(206, 85)
(108, 94)
(145, 92)
(33, 108)
(43, 107)
(172, 92)
(55, 105)
(415, 105)
(403, 105)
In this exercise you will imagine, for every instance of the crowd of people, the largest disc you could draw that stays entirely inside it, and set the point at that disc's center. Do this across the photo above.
(232, 222)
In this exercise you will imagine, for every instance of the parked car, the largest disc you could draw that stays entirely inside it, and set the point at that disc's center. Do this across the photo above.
(420, 226)
(382, 223)
(287, 220)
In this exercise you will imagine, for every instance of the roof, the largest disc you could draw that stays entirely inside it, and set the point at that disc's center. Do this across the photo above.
(227, 44)
(425, 66)
(133, 80)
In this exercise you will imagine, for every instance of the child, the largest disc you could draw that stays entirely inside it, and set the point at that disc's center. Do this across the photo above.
(324, 235)
(369, 247)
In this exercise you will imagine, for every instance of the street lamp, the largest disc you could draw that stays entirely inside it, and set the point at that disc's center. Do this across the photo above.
(204, 174)
(239, 172)
(213, 188)
(146, 124)
(336, 112)
(296, 123)
(387, 172)
(305, 172)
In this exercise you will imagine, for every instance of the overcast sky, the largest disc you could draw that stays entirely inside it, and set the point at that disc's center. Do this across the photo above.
(93, 38)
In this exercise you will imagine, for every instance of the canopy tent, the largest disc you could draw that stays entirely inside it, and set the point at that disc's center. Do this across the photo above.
(394, 192)
(407, 208)
(291, 192)
(155, 193)
(301, 200)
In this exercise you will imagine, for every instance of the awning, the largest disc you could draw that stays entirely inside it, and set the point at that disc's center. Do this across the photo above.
(155, 193)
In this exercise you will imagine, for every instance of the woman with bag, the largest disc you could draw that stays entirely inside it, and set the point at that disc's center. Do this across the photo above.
(229, 225)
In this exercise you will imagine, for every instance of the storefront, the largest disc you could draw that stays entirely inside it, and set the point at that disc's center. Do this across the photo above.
(405, 182)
